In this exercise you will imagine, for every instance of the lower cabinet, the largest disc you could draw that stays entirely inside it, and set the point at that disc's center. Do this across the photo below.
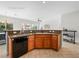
(54, 41)
(19, 45)
(44, 41)
(47, 43)
(30, 42)
(39, 42)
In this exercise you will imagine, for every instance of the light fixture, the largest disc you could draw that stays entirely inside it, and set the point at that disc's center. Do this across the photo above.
(44, 2)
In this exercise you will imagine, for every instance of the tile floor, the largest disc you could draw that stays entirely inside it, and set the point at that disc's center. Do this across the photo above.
(68, 50)
(3, 51)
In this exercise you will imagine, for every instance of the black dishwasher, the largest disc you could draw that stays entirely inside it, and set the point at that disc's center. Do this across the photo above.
(20, 46)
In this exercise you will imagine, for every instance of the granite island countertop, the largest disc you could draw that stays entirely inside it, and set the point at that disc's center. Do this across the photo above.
(22, 35)
(19, 35)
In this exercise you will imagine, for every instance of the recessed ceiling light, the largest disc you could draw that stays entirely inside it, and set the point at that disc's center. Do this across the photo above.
(44, 2)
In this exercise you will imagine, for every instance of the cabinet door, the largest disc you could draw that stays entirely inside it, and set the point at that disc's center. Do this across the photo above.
(10, 48)
(47, 42)
(31, 43)
(54, 41)
(59, 41)
(39, 42)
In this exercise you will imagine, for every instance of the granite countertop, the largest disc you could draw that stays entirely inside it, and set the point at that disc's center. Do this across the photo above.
(44, 33)
(20, 35)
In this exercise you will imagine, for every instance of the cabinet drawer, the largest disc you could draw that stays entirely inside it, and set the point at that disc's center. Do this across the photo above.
(38, 35)
(31, 36)
(42, 35)
(55, 36)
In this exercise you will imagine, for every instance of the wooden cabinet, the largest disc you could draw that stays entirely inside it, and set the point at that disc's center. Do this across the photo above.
(42, 40)
(55, 42)
(30, 42)
(38, 42)
(47, 40)
(47, 43)
(9, 47)
(59, 42)
(24, 44)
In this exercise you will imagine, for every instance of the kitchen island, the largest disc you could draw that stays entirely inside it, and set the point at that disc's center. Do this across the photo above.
(41, 39)
(17, 45)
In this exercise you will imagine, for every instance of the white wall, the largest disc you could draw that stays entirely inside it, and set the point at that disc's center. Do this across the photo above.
(33, 15)
(71, 21)
(34, 10)
(50, 12)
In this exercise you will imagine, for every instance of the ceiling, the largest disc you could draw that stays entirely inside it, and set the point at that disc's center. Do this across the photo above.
(32, 9)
